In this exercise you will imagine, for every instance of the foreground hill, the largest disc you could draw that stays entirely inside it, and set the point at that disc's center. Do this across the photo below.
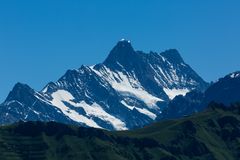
(212, 134)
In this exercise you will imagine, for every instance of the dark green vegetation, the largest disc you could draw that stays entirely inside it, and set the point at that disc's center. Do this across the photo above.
(212, 134)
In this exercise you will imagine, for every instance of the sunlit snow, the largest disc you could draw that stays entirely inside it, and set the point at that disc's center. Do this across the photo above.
(141, 110)
(94, 110)
(172, 93)
(129, 86)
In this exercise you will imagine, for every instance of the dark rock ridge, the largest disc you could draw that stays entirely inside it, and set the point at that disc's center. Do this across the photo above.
(224, 91)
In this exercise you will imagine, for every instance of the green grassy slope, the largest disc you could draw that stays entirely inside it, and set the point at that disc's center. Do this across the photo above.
(212, 134)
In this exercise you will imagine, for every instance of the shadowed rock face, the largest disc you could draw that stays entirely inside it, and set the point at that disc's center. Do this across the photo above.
(225, 91)
(122, 53)
(128, 90)
(182, 106)
(20, 92)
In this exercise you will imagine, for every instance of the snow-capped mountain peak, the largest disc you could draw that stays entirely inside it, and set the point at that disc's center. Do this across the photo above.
(121, 55)
(129, 89)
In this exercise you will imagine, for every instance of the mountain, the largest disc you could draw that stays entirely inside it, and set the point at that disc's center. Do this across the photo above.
(210, 135)
(225, 91)
(128, 90)
(182, 106)
(23, 103)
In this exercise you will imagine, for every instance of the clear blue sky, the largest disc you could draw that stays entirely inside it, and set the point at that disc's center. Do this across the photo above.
(41, 39)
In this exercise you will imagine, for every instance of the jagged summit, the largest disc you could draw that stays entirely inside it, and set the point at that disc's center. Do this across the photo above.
(121, 53)
(125, 40)
(19, 86)
(19, 91)
(172, 55)
(123, 44)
